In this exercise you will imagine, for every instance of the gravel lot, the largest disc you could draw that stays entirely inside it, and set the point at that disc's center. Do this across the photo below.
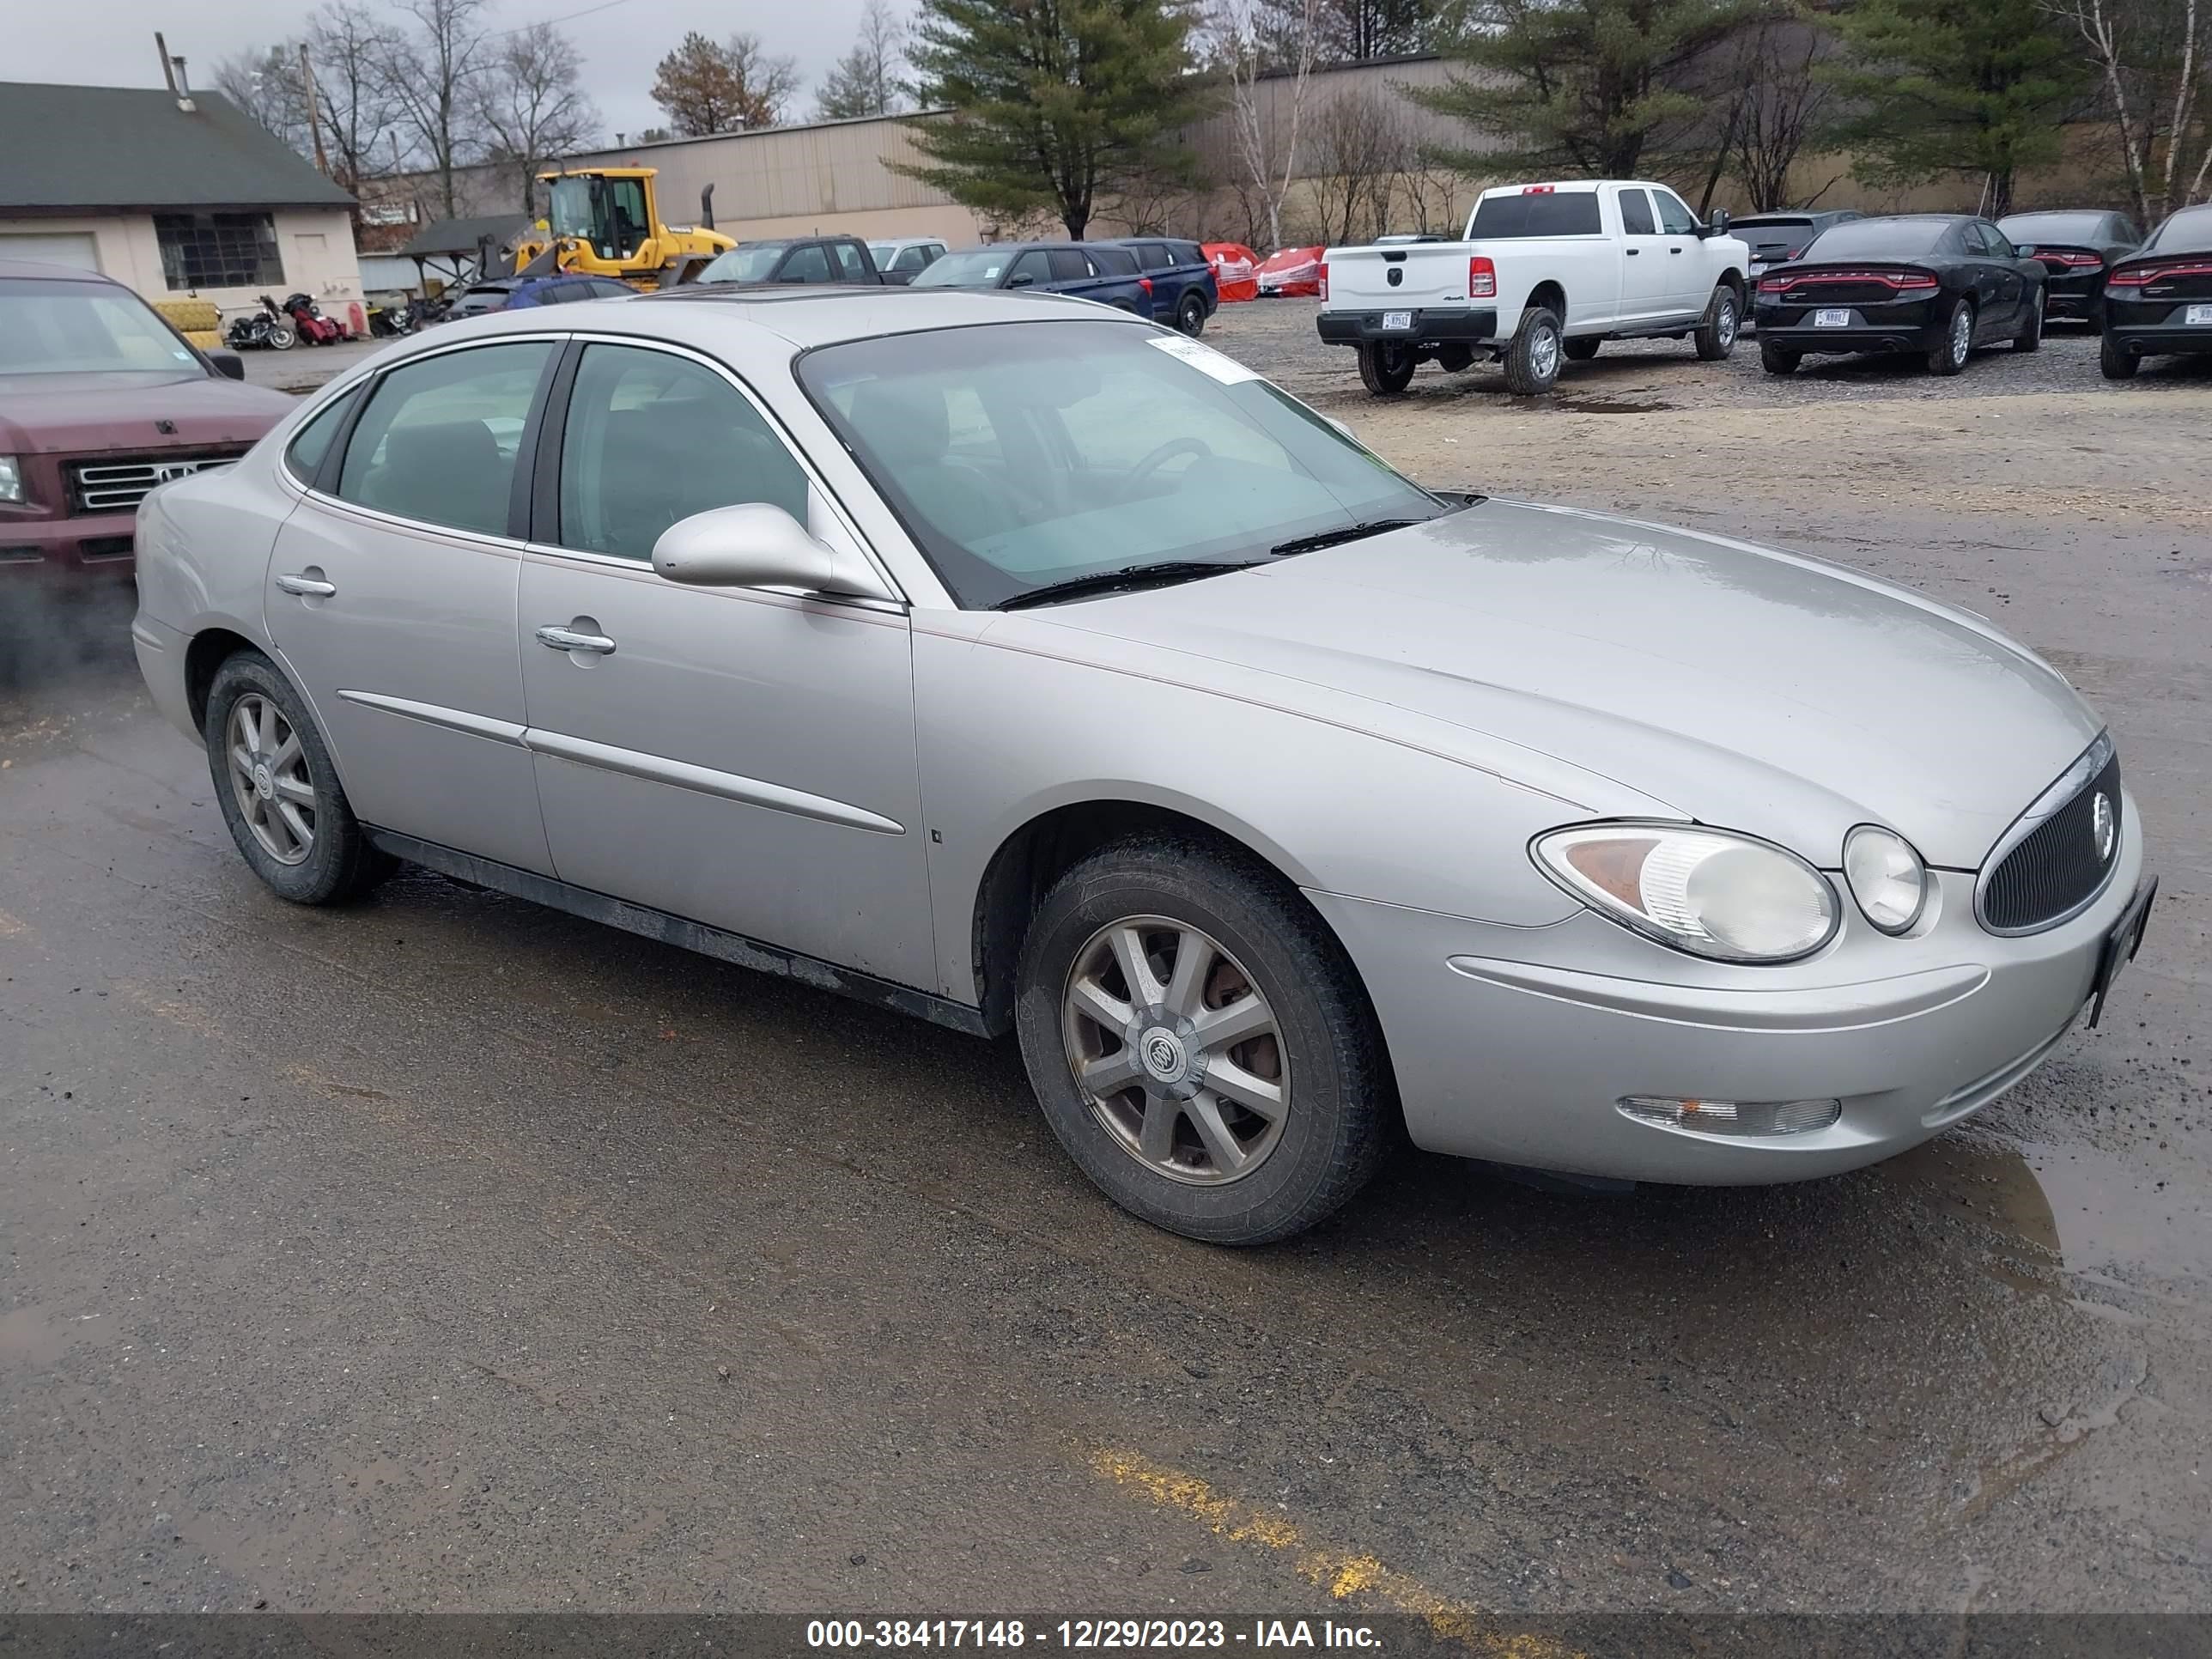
(446, 1252)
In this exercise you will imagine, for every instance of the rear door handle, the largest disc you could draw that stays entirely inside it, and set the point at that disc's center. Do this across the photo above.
(568, 639)
(308, 587)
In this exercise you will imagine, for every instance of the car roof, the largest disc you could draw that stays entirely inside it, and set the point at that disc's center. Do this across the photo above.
(46, 273)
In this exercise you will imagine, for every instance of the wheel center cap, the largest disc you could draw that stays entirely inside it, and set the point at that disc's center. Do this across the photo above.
(1164, 1057)
(265, 783)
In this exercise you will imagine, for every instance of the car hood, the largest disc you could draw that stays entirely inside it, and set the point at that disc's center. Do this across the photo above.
(1743, 687)
(45, 414)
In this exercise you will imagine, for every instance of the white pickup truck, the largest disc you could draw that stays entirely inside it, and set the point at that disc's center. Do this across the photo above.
(1545, 272)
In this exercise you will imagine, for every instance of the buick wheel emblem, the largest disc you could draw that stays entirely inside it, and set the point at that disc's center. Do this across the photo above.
(2104, 827)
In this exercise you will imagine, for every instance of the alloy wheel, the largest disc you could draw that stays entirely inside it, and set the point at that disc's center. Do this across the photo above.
(268, 779)
(1544, 354)
(1725, 324)
(1962, 335)
(1175, 1050)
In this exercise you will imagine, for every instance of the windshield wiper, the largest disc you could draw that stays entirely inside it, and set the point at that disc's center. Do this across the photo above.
(1343, 533)
(1131, 576)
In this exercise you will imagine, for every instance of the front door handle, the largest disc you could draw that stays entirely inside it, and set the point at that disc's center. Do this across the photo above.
(307, 586)
(1673, 250)
(568, 638)
(1633, 252)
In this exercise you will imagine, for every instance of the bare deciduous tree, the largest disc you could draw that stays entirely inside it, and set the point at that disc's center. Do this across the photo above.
(867, 80)
(1265, 135)
(1361, 146)
(430, 71)
(2152, 59)
(358, 113)
(266, 85)
(529, 100)
(1783, 112)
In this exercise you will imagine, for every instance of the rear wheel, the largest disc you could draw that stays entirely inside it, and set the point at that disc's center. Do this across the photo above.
(1716, 335)
(1532, 361)
(1386, 370)
(278, 791)
(2117, 362)
(1949, 352)
(1190, 314)
(1582, 350)
(2030, 337)
(1200, 1042)
(1778, 360)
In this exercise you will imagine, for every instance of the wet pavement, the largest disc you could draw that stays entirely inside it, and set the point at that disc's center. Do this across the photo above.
(446, 1253)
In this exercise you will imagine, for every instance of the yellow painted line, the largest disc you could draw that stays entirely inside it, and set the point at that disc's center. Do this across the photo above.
(1340, 1573)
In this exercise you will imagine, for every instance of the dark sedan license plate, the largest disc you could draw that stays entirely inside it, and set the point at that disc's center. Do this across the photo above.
(1831, 318)
(2120, 947)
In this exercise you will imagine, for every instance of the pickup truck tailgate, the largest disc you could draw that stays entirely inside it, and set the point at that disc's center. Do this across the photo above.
(1426, 275)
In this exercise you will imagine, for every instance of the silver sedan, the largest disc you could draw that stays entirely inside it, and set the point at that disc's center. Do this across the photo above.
(1036, 670)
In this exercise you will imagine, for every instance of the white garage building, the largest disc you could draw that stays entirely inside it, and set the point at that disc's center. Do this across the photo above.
(178, 204)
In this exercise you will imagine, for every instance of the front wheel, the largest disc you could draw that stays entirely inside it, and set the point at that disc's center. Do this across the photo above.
(1777, 360)
(2030, 337)
(2116, 361)
(1200, 1042)
(277, 790)
(281, 338)
(1532, 361)
(1386, 370)
(1716, 333)
(1190, 315)
(1949, 353)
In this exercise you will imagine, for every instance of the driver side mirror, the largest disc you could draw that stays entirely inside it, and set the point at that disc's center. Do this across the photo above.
(756, 544)
(1020, 279)
(2026, 250)
(229, 364)
(1718, 224)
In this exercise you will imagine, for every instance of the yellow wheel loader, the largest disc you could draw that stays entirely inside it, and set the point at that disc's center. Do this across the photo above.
(605, 222)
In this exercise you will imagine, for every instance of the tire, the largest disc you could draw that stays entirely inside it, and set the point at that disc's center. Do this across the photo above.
(2030, 337)
(1322, 1045)
(1778, 360)
(281, 338)
(1723, 320)
(1386, 370)
(1532, 361)
(1582, 350)
(2116, 361)
(338, 861)
(1949, 357)
(1190, 314)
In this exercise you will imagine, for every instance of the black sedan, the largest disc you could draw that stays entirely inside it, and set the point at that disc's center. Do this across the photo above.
(2076, 245)
(1935, 283)
(2158, 300)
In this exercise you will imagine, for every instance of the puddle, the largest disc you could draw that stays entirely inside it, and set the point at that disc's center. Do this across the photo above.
(1606, 406)
(2086, 1210)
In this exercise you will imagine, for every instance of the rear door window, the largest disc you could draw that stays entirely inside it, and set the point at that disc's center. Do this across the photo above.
(437, 441)
(851, 267)
(1635, 218)
(1068, 264)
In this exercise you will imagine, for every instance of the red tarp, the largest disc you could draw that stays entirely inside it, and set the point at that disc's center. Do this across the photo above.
(1291, 270)
(1233, 267)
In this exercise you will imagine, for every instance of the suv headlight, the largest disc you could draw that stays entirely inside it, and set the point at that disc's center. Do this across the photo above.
(1707, 891)
(11, 479)
(1887, 878)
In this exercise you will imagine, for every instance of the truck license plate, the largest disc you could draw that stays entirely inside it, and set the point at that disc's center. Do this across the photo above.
(2198, 315)
(1404, 319)
(1831, 320)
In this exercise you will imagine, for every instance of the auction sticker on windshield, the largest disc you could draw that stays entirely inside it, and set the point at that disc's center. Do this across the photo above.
(1204, 359)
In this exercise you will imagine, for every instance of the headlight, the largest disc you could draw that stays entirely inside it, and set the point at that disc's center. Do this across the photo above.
(1706, 891)
(1886, 876)
(11, 479)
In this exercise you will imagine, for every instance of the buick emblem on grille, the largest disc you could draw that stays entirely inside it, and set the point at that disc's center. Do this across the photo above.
(2103, 828)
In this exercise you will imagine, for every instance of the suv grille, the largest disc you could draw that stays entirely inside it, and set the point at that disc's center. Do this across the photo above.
(120, 486)
(2057, 858)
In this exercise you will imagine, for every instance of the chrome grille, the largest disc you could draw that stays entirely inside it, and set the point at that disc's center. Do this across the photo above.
(119, 486)
(2058, 854)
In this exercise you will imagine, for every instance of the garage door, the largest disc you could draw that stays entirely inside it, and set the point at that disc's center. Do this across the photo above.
(71, 248)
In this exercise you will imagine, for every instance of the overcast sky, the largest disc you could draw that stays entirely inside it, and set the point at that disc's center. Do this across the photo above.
(111, 42)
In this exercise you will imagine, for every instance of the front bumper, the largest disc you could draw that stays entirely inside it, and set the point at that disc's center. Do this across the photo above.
(1514, 1043)
(1427, 330)
(93, 547)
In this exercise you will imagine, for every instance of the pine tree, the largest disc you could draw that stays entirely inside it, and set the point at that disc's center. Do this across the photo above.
(1055, 102)
(1975, 89)
(1589, 86)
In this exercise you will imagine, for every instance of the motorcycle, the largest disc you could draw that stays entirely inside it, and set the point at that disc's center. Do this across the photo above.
(387, 321)
(267, 329)
(307, 318)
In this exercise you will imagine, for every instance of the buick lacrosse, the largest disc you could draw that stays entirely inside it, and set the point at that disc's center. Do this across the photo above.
(1020, 665)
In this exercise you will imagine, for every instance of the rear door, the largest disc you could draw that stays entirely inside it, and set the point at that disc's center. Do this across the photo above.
(392, 599)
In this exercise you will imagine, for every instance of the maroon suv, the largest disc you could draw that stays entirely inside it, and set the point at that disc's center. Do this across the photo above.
(100, 401)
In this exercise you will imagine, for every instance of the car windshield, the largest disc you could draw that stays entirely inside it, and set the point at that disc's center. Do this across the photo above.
(751, 263)
(2053, 226)
(1026, 455)
(977, 268)
(66, 327)
(1879, 238)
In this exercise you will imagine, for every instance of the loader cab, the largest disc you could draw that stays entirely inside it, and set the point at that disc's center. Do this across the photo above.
(612, 212)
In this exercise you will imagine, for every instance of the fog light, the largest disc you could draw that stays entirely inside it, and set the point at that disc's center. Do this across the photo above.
(1733, 1117)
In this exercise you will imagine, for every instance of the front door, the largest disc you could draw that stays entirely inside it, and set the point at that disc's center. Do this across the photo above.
(1688, 288)
(1644, 274)
(742, 757)
(391, 600)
